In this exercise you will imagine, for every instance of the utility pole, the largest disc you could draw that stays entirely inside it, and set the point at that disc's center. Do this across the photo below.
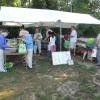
(71, 6)
(67, 4)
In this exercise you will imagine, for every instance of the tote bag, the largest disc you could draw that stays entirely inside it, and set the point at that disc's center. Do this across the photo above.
(22, 48)
(66, 44)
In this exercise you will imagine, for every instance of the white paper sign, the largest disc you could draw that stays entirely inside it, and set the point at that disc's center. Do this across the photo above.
(61, 57)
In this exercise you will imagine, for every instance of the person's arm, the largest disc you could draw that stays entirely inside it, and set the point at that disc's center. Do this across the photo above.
(40, 36)
(35, 36)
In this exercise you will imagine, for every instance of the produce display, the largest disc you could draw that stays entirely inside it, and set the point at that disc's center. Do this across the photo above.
(12, 42)
(8, 65)
(12, 46)
(15, 47)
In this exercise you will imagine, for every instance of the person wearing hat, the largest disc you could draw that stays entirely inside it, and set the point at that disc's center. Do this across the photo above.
(37, 41)
(3, 45)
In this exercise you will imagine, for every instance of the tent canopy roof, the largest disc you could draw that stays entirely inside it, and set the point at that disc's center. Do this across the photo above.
(27, 15)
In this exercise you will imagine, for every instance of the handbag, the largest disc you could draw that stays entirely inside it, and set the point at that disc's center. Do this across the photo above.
(22, 48)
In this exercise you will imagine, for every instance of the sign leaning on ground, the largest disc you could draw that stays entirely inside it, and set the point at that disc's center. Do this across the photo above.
(62, 57)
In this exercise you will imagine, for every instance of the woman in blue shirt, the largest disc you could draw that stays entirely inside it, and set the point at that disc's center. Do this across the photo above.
(27, 38)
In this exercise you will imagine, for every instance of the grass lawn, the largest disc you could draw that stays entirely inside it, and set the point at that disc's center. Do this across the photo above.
(41, 83)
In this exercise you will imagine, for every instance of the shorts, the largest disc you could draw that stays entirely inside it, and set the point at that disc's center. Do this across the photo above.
(72, 45)
(52, 48)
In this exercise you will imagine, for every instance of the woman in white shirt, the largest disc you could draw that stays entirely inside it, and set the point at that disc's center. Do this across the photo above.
(73, 39)
(51, 44)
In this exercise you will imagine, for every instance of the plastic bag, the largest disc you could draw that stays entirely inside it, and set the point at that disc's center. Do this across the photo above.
(90, 41)
(22, 48)
(66, 44)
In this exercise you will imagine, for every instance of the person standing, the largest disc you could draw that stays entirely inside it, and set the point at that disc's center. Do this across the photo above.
(52, 42)
(3, 45)
(37, 39)
(47, 35)
(98, 49)
(73, 40)
(27, 38)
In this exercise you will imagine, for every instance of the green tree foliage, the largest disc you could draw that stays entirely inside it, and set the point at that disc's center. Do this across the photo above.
(47, 4)
(16, 3)
(80, 6)
(10, 2)
(95, 8)
(38, 4)
(51, 4)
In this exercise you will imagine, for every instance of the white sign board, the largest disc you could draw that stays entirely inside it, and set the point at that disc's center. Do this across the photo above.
(61, 57)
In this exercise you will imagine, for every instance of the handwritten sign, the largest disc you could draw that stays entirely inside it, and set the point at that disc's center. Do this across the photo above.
(61, 57)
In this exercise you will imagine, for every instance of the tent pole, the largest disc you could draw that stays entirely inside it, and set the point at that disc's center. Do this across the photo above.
(60, 38)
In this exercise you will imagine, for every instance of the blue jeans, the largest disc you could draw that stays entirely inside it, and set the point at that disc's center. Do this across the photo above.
(37, 46)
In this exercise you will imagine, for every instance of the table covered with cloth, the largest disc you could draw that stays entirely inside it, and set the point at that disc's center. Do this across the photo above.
(13, 52)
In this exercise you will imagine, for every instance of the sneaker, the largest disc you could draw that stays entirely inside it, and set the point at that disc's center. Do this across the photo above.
(29, 67)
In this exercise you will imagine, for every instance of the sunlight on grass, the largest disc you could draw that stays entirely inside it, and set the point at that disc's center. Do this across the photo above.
(6, 93)
(61, 77)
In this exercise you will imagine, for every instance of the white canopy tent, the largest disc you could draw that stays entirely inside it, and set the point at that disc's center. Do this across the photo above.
(50, 24)
(43, 17)
(27, 15)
